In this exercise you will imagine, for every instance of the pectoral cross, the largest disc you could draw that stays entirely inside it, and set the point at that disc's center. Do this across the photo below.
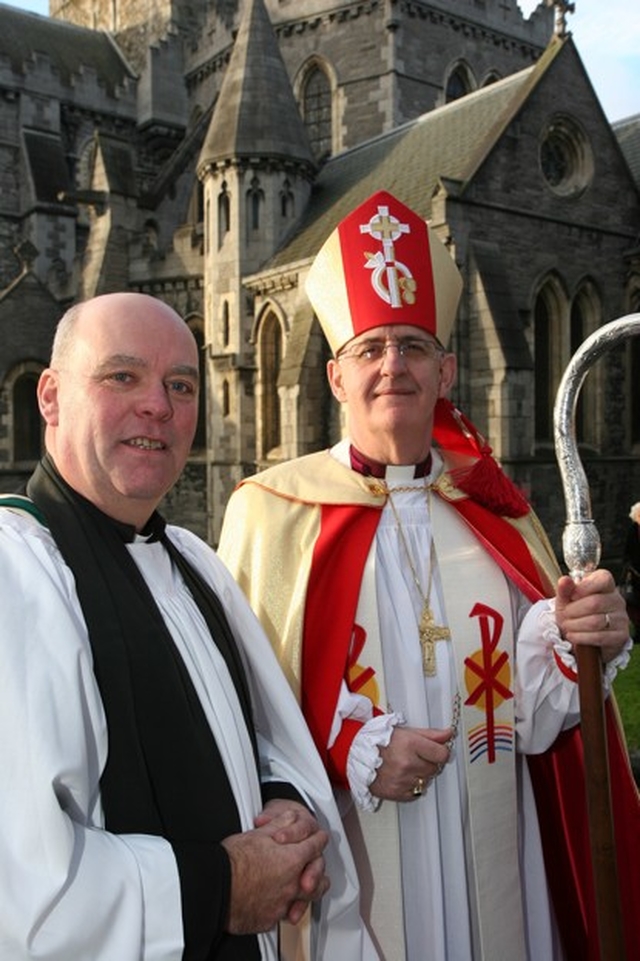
(430, 632)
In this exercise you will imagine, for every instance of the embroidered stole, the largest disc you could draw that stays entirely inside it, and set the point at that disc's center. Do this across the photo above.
(478, 613)
(478, 606)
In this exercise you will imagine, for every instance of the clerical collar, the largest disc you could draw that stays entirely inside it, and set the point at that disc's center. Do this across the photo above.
(371, 468)
(152, 531)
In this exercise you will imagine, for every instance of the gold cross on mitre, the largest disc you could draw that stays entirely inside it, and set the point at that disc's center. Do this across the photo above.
(430, 632)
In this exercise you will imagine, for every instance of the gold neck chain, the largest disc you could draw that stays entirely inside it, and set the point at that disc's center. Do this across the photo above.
(381, 487)
(428, 630)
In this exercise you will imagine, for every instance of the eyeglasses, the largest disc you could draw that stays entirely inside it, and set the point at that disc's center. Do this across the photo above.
(412, 349)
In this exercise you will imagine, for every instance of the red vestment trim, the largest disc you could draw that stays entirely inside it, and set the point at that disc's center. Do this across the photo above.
(333, 589)
(346, 535)
(559, 785)
(560, 792)
(568, 672)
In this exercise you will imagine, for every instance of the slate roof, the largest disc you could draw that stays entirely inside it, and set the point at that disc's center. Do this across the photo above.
(69, 48)
(245, 122)
(448, 143)
(627, 133)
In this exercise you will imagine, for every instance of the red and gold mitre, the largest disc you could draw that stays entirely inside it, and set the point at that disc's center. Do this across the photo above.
(383, 265)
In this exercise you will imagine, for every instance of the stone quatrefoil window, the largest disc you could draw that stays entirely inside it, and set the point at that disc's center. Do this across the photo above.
(566, 158)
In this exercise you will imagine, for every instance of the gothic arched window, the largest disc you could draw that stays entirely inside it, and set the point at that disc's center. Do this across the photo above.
(287, 201)
(226, 398)
(224, 214)
(584, 319)
(460, 83)
(200, 438)
(577, 333)
(560, 328)
(491, 77)
(543, 378)
(270, 354)
(255, 200)
(550, 313)
(316, 111)
(226, 329)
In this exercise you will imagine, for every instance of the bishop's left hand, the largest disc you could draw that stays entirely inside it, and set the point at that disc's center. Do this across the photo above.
(591, 611)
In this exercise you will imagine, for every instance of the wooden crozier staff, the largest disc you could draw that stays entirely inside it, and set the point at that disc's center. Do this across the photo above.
(581, 548)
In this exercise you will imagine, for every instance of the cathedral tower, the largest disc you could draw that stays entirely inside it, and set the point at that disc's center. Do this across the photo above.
(136, 24)
(256, 169)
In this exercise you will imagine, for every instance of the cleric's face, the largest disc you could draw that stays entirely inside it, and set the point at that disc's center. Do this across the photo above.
(121, 410)
(390, 379)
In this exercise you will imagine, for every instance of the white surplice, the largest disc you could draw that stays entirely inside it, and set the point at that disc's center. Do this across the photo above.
(71, 891)
(436, 895)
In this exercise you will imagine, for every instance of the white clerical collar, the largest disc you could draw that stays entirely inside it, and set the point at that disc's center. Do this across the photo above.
(402, 474)
(395, 474)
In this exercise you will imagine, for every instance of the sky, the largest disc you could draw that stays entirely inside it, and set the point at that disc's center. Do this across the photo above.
(607, 35)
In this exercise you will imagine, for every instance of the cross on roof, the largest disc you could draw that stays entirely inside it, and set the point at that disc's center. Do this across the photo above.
(563, 7)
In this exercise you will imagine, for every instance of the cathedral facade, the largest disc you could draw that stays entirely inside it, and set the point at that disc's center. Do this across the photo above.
(202, 152)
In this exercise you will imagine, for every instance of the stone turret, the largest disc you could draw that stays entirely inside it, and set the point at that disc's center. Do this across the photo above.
(256, 167)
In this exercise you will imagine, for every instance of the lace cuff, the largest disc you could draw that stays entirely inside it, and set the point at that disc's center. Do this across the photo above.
(364, 757)
(564, 652)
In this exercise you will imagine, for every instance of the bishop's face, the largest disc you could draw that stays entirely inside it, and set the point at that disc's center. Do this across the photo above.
(390, 379)
(121, 409)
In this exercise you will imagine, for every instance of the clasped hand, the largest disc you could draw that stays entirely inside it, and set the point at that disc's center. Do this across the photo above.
(276, 869)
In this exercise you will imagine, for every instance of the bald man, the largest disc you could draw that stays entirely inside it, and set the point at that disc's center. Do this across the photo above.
(161, 797)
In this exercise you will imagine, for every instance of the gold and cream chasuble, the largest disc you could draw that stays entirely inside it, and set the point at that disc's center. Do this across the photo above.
(421, 863)
(458, 844)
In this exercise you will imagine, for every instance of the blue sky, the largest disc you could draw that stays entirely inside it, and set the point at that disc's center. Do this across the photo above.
(607, 36)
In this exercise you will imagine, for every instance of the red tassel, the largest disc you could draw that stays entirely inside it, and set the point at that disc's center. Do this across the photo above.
(487, 484)
(484, 481)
